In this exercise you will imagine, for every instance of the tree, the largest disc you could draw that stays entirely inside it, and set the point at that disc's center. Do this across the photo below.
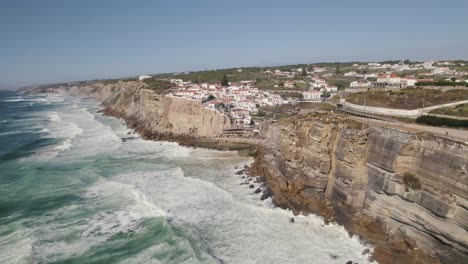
(304, 71)
(337, 71)
(225, 81)
(325, 95)
(407, 61)
(209, 98)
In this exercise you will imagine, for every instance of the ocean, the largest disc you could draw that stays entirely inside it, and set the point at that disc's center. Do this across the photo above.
(72, 191)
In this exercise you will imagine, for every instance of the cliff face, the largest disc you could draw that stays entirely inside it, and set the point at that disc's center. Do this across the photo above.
(154, 115)
(404, 192)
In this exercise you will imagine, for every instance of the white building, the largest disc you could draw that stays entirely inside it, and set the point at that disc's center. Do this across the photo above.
(370, 75)
(289, 84)
(312, 95)
(409, 80)
(388, 80)
(142, 77)
(357, 84)
(351, 73)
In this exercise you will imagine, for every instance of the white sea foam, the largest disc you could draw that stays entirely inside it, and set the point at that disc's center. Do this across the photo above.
(200, 196)
(54, 117)
(16, 247)
(39, 100)
(54, 98)
(65, 145)
(256, 233)
(119, 209)
(44, 130)
(13, 100)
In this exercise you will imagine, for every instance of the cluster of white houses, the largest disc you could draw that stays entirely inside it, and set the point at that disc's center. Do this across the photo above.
(241, 100)
(391, 80)
(238, 100)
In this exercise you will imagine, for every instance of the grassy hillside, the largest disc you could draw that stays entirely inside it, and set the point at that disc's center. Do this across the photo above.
(159, 86)
(459, 110)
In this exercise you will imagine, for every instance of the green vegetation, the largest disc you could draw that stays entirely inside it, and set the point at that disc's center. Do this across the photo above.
(408, 98)
(337, 69)
(340, 82)
(225, 81)
(215, 76)
(292, 94)
(411, 181)
(442, 83)
(159, 86)
(458, 110)
(460, 68)
(325, 95)
(267, 85)
(442, 121)
(353, 124)
(317, 106)
(301, 86)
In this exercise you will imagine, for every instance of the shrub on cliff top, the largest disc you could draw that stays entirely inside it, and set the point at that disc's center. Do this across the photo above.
(159, 86)
(353, 124)
(441, 121)
(411, 181)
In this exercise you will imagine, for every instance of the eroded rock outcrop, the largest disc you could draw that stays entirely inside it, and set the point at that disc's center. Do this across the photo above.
(155, 116)
(355, 174)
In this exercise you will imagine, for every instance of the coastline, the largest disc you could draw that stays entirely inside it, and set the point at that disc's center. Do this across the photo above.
(390, 247)
(387, 248)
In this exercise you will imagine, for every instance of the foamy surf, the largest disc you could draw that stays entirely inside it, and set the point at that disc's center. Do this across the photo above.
(84, 195)
(13, 100)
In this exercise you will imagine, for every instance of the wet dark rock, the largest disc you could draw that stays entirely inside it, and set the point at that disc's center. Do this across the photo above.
(366, 251)
(258, 190)
(333, 256)
(260, 179)
(240, 172)
(264, 196)
(349, 262)
(251, 186)
(291, 220)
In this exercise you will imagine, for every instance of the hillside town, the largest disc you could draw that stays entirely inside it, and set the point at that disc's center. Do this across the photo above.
(242, 99)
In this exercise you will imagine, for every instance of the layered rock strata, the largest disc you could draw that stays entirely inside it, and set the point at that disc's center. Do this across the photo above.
(404, 192)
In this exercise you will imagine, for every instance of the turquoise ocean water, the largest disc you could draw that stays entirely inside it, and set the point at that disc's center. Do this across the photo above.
(72, 191)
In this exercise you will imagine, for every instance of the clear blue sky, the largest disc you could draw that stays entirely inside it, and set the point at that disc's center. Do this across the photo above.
(47, 41)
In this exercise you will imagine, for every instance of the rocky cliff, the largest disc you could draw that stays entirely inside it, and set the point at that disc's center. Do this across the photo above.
(153, 115)
(404, 192)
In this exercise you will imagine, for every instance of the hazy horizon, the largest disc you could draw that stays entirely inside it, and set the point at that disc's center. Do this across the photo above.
(56, 41)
